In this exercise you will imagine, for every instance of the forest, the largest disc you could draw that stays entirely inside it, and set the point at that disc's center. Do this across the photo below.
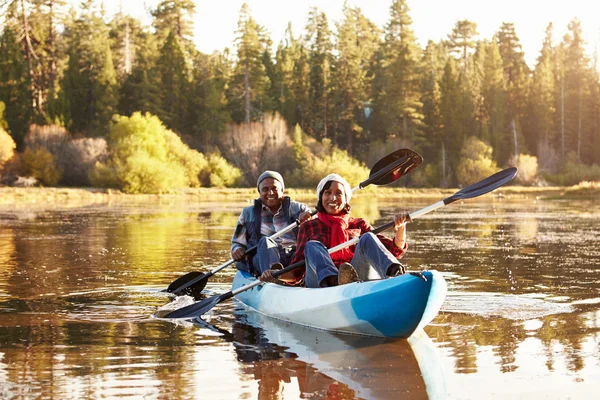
(88, 100)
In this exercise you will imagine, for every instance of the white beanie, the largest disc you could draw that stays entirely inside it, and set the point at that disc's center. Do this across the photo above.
(337, 178)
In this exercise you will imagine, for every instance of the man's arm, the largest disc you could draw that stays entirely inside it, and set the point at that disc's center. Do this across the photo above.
(239, 243)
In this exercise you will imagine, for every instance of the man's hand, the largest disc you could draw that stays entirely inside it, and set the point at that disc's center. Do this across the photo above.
(238, 254)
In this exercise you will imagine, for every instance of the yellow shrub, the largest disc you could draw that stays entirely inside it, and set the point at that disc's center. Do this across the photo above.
(39, 163)
(527, 166)
(142, 173)
(476, 162)
(7, 147)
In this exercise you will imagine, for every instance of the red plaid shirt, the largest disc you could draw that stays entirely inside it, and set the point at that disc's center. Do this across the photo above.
(317, 230)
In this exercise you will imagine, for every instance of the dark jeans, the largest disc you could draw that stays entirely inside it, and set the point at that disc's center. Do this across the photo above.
(371, 260)
(268, 252)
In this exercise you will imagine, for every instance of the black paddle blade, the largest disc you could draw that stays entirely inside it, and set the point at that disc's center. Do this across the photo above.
(197, 309)
(484, 186)
(198, 286)
(413, 160)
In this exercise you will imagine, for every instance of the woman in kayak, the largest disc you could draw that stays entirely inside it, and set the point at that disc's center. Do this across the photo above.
(374, 257)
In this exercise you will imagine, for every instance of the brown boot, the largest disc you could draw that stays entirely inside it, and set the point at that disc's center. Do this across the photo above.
(346, 274)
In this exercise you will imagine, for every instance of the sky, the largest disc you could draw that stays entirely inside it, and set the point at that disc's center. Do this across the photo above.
(215, 21)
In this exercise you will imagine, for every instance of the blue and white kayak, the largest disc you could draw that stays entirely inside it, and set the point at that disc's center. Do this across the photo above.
(394, 307)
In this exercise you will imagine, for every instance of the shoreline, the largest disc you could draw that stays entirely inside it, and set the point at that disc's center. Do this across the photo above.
(42, 195)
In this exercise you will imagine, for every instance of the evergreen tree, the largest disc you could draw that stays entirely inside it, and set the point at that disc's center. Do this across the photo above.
(320, 58)
(141, 89)
(433, 68)
(174, 85)
(249, 86)
(283, 77)
(462, 39)
(576, 95)
(357, 42)
(397, 108)
(90, 82)
(209, 112)
(516, 74)
(494, 103)
(15, 86)
(452, 136)
(542, 98)
(174, 16)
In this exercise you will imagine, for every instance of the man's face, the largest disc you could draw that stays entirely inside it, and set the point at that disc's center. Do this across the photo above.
(271, 192)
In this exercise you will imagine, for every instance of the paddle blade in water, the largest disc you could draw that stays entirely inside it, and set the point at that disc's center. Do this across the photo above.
(182, 280)
(199, 308)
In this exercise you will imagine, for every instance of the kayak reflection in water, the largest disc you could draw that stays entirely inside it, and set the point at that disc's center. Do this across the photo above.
(374, 257)
(327, 365)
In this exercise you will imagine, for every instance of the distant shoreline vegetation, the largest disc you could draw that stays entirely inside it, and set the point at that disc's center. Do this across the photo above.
(42, 195)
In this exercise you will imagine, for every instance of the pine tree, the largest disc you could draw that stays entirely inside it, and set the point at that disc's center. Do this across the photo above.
(542, 98)
(320, 59)
(249, 86)
(174, 16)
(90, 82)
(576, 67)
(208, 108)
(462, 39)
(451, 133)
(494, 104)
(433, 68)
(15, 86)
(174, 85)
(357, 41)
(397, 108)
(282, 80)
(516, 74)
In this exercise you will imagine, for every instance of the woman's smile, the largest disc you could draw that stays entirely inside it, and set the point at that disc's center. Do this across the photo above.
(334, 198)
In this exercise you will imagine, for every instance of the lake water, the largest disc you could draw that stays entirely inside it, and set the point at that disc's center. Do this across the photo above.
(79, 285)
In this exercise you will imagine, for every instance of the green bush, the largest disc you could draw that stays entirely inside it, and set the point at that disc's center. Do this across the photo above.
(39, 163)
(194, 163)
(476, 162)
(314, 168)
(220, 173)
(142, 173)
(146, 157)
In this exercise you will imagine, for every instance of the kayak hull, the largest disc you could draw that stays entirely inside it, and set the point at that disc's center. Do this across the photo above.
(394, 307)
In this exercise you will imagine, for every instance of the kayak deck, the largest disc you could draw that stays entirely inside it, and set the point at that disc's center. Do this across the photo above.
(394, 307)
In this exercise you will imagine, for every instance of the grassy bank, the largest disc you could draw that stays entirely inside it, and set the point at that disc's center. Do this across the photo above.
(22, 196)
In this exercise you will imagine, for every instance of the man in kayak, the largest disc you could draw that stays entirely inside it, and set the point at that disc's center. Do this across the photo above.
(271, 212)
(374, 257)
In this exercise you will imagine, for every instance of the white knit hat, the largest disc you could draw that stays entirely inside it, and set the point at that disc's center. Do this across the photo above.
(337, 178)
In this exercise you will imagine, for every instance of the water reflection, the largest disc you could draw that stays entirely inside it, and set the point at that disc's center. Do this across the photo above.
(78, 286)
(285, 357)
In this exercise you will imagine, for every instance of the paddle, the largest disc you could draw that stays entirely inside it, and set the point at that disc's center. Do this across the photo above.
(474, 190)
(385, 171)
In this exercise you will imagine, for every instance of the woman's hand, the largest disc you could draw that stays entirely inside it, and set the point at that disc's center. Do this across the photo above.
(305, 216)
(401, 219)
(266, 276)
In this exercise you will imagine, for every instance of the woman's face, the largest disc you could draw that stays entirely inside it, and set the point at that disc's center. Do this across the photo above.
(334, 198)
